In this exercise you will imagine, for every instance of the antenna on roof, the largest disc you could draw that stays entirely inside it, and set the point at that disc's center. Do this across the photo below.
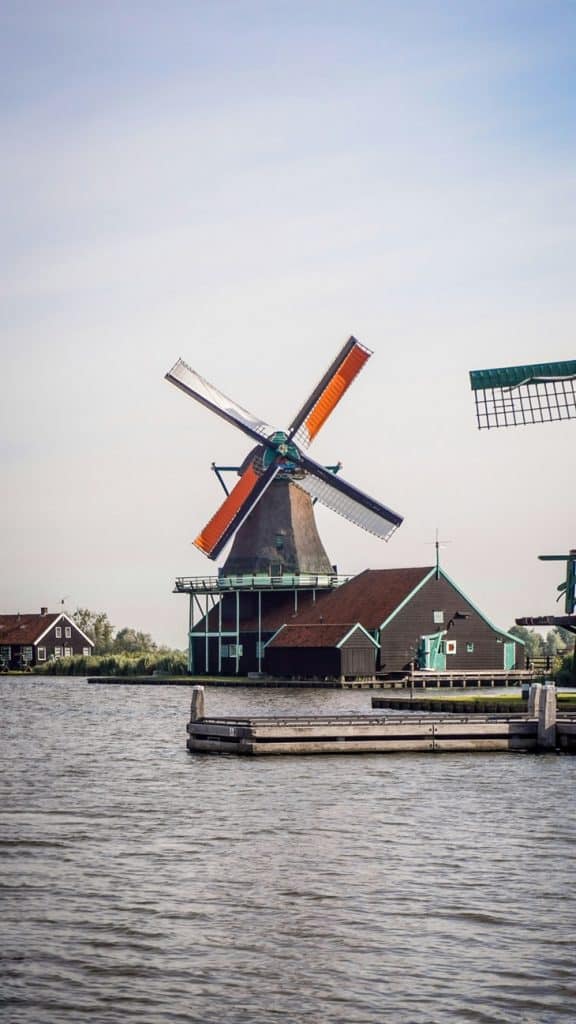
(438, 544)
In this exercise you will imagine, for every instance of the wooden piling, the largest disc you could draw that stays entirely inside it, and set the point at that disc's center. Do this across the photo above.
(534, 698)
(197, 703)
(547, 718)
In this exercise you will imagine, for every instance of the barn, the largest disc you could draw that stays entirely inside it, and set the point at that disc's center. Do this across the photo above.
(322, 650)
(416, 616)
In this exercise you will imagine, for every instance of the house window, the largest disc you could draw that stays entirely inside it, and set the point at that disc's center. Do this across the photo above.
(41, 654)
(57, 652)
(68, 632)
(26, 654)
(5, 654)
(67, 652)
(450, 647)
(86, 652)
(58, 632)
(470, 647)
(438, 618)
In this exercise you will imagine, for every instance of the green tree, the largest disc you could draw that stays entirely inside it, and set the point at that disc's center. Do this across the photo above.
(566, 638)
(97, 626)
(533, 640)
(131, 641)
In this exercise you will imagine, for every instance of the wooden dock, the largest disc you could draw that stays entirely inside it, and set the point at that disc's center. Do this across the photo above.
(461, 680)
(346, 734)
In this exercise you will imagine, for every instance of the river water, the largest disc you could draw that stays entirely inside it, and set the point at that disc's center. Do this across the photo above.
(140, 883)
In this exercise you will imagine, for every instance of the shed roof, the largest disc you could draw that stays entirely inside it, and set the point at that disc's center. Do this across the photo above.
(25, 629)
(316, 634)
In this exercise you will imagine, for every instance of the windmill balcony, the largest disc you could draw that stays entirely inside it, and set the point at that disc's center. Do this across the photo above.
(258, 581)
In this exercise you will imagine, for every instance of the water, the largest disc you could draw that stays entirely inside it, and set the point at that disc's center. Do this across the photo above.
(143, 884)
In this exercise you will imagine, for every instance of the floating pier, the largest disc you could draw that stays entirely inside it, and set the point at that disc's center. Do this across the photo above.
(538, 729)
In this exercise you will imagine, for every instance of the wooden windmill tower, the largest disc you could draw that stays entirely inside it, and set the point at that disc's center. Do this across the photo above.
(269, 511)
(269, 516)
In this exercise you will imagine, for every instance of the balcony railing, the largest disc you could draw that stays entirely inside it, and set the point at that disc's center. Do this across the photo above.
(257, 581)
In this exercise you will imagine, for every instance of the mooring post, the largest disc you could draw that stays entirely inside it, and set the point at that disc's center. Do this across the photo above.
(547, 718)
(534, 698)
(197, 705)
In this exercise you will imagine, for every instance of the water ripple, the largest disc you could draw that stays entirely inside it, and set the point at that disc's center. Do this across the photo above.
(142, 884)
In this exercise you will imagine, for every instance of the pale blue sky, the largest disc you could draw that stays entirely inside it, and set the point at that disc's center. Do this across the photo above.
(244, 185)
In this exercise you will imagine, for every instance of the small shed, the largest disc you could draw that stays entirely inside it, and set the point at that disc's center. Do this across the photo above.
(322, 650)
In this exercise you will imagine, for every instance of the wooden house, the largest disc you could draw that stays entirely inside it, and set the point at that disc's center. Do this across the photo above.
(27, 640)
(416, 616)
(322, 650)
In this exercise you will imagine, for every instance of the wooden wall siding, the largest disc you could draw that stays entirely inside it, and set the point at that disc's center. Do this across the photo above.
(358, 661)
(304, 662)
(399, 640)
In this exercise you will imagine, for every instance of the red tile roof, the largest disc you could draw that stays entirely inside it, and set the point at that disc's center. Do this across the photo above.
(369, 598)
(25, 629)
(319, 634)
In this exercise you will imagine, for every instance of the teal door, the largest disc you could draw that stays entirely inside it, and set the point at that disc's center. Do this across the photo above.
(510, 655)
(431, 653)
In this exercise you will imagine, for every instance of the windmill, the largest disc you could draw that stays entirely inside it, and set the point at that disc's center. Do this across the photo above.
(519, 395)
(269, 511)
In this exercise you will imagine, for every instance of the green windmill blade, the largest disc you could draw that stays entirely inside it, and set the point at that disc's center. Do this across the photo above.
(519, 395)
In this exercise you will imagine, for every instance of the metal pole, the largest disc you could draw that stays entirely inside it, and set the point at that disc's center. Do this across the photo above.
(206, 634)
(237, 632)
(219, 636)
(259, 631)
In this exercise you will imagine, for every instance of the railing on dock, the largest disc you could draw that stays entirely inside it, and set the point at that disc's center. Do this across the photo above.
(538, 729)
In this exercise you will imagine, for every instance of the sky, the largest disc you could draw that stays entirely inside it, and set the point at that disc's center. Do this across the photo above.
(245, 184)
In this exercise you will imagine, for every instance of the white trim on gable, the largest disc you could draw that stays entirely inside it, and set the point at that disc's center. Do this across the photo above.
(407, 599)
(353, 630)
(66, 618)
(274, 635)
(501, 632)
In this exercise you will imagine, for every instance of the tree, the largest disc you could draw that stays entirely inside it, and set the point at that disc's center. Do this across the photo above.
(97, 626)
(566, 638)
(533, 640)
(130, 641)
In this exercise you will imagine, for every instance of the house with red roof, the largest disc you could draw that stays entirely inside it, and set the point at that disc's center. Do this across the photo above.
(414, 616)
(27, 640)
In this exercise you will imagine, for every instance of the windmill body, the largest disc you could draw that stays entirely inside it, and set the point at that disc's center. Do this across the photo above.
(279, 537)
(277, 559)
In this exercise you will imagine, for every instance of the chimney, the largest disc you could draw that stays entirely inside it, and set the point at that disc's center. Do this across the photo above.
(43, 611)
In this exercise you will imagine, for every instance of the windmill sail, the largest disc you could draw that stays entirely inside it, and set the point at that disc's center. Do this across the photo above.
(346, 500)
(234, 510)
(183, 377)
(280, 455)
(519, 395)
(328, 392)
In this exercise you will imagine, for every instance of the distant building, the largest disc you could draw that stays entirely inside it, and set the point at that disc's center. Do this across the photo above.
(28, 640)
(415, 616)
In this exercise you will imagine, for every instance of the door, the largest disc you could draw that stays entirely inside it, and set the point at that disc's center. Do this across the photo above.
(431, 653)
(510, 655)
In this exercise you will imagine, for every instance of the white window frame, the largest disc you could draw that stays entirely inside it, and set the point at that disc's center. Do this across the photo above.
(450, 647)
(68, 652)
(470, 647)
(57, 652)
(68, 632)
(41, 653)
(86, 651)
(438, 617)
(58, 632)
